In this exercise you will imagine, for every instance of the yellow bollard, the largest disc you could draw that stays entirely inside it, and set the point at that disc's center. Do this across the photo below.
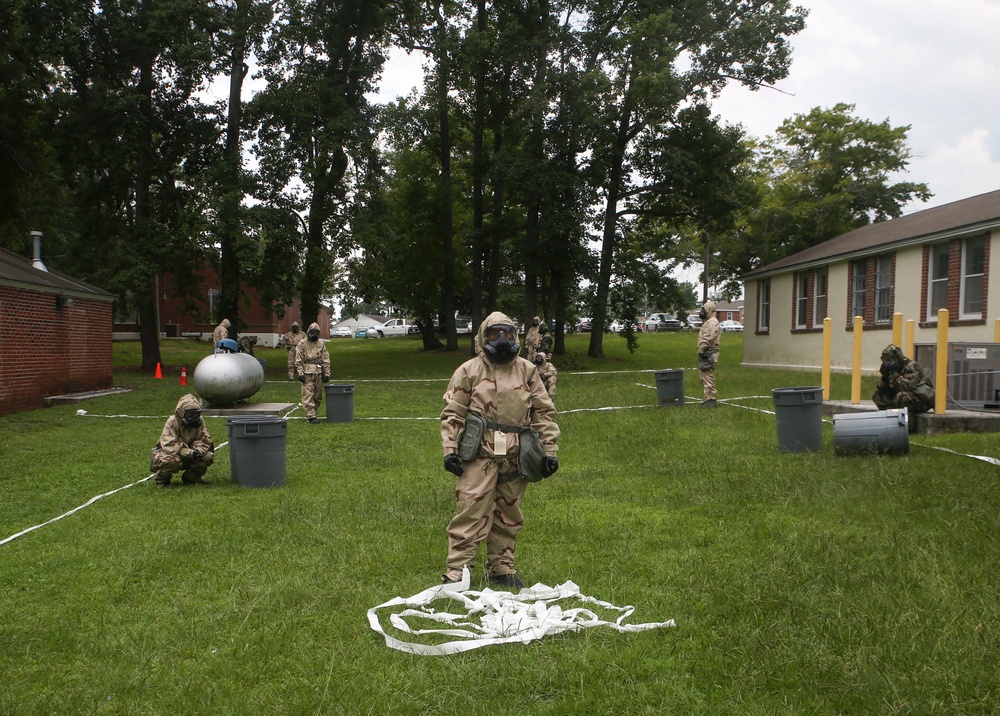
(825, 381)
(996, 331)
(911, 331)
(897, 329)
(941, 364)
(859, 323)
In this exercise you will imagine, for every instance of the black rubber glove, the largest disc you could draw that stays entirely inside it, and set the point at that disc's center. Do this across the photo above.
(453, 464)
(302, 379)
(550, 466)
(326, 379)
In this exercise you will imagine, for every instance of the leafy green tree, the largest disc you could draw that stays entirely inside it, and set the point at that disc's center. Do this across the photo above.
(824, 173)
(655, 58)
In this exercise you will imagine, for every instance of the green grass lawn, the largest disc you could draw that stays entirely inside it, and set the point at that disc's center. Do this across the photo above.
(800, 583)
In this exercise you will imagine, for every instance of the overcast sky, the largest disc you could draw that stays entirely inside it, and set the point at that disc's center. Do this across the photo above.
(930, 64)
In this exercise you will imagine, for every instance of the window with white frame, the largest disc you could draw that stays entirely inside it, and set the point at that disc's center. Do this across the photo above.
(973, 271)
(937, 280)
(883, 289)
(214, 299)
(802, 299)
(858, 288)
(819, 297)
(763, 304)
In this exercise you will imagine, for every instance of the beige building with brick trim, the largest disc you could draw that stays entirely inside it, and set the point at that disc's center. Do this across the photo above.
(914, 265)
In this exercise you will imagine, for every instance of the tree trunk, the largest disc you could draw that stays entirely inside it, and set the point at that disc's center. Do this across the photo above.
(478, 173)
(447, 220)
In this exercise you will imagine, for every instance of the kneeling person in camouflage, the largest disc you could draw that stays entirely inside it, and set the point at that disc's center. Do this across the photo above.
(185, 446)
(902, 384)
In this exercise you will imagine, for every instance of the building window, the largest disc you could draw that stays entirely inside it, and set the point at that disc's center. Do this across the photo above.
(859, 275)
(214, 305)
(937, 280)
(883, 289)
(802, 300)
(819, 297)
(973, 272)
(763, 304)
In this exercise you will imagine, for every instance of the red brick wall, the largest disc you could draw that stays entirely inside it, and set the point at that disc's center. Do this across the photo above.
(45, 350)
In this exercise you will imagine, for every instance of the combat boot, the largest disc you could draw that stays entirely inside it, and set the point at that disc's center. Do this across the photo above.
(507, 580)
(713, 403)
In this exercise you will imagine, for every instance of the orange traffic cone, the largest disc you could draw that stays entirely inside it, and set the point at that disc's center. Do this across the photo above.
(184, 376)
(159, 371)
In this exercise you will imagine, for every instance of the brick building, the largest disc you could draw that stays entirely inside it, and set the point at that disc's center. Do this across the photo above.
(914, 265)
(55, 334)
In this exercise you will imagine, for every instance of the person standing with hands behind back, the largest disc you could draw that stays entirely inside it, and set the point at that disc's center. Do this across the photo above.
(291, 341)
(312, 361)
(708, 353)
(502, 394)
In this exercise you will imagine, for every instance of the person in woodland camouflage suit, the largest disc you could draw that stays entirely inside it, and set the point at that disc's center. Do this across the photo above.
(545, 340)
(507, 392)
(247, 343)
(290, 341)
(184, 446)
(902, 384)
(221, 331)
(312, 361)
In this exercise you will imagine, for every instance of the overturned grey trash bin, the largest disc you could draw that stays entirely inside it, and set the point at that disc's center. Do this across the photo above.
(257, 450)
(340, 403)
(884, 432)
(798, 415)
(669, 387)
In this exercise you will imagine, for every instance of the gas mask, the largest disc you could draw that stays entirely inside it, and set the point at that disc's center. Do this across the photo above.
(534, 323)
(295, 329)
(539, 359)
(501, 343)
(703, 314)
(192, 418)
(313, 336)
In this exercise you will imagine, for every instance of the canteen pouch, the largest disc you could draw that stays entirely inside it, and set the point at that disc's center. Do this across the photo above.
(472, 437)
(706, 361)
(530, 455)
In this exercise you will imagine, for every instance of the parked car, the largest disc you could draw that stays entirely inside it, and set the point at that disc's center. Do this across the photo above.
(362, 332)
(584, 325)
(615, 326)
(342, 332)
(693, 322)
(663, 322)
(392, 327)
(731, 326)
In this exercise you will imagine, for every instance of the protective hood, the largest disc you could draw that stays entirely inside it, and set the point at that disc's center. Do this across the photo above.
(709, 307)
(187, 402)
(312, 327)
(489, 349)
(226, 323)
(893, 355)
(295, 324)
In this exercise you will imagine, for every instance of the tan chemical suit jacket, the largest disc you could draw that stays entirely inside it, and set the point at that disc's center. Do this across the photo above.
(312, 358)
(181, 441)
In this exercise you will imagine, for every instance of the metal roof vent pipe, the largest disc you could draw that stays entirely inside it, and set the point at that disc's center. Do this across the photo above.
(37, 261)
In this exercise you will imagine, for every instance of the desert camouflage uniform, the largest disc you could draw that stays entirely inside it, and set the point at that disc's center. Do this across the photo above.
(489, 491)
(312, 361)
(904, 385)
(532, 339)
(708, 342)
(290, 341)
(175, 450)
(548, 373)
(221, 331)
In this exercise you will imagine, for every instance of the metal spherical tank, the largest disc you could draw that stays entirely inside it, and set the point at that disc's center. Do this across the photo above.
(223, 378)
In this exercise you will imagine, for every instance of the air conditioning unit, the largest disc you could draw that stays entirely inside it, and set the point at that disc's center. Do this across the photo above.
(973, 373)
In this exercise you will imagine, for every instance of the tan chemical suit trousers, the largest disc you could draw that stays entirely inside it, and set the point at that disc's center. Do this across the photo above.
(486, 510)
(312, 393)
(708, 383)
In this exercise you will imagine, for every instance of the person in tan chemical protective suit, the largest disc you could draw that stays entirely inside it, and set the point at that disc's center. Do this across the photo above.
(221, 331)
(507, 392)
(548, 373)
(184, 446)
(708, 353)
(312, 361)
(532, 339)
(291, 341)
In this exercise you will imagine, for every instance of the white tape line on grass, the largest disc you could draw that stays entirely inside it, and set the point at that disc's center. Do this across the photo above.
(493, 617)
(984, 458)
(89, 502)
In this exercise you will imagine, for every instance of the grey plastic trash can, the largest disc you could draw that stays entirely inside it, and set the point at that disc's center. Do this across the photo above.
(257, 450)
(798, 415)
(263, 364)
(883, 432)
(340, 403)
(670, 387)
